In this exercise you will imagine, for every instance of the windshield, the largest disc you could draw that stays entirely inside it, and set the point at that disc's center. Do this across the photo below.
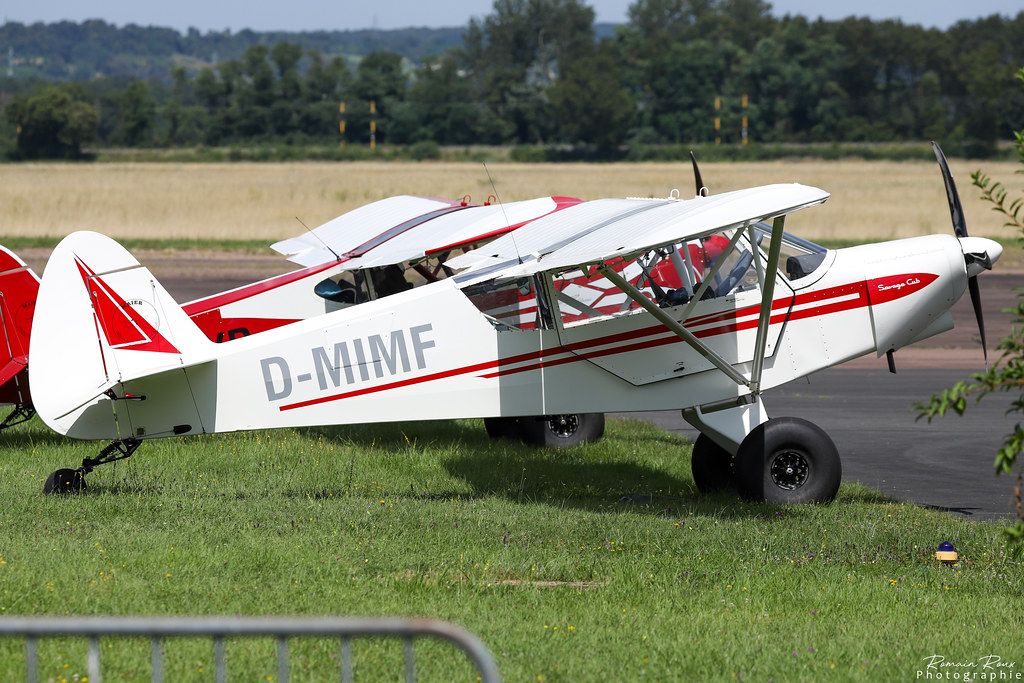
(798, 257)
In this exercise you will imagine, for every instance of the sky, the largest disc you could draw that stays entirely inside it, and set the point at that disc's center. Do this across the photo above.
(311, 15)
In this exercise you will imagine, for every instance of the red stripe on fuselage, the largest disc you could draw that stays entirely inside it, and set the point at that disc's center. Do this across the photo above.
(391, 385)
(855, 296)
(220, 300)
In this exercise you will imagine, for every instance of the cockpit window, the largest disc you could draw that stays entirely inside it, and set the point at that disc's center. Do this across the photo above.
(669, 276)
(682, 269)
(360, 285)
(798, 257)
(508, 303)
(345, 289)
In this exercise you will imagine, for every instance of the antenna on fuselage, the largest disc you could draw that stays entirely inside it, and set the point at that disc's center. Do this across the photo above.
(508, 224)
(319, 238)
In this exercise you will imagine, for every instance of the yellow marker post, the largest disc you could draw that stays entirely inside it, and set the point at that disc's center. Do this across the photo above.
(341, 124)
(718, 121)
(373, 124)
(744, 103)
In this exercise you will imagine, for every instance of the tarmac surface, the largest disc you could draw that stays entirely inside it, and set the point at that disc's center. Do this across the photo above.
(946, 464)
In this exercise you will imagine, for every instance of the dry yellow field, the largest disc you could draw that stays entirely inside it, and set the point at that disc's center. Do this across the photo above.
(870, 200)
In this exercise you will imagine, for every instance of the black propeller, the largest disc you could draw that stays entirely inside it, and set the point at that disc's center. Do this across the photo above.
(702, 190)
(956, 213)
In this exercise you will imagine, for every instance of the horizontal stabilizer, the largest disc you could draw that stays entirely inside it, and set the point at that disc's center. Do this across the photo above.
(10, 368)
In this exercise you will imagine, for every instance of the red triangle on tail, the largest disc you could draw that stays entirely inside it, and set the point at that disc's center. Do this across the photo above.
(121, 323)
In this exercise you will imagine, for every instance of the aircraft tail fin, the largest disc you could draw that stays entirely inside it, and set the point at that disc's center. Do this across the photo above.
(19, 286)
(103, 323)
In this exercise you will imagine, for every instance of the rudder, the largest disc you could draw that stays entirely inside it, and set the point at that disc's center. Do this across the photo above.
(102, 320)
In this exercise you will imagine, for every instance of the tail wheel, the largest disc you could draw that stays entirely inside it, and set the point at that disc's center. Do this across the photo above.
(562, 431)
(788, 460)
(712, 466)
(65, 481)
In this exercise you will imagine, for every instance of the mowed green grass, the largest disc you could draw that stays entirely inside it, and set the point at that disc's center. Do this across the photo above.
(596, 563)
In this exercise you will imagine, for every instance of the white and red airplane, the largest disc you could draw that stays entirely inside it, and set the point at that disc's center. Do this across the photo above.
(416, 229)
(549, 319)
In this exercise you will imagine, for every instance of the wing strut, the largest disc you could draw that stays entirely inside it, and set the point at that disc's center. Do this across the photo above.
(767, 297)
(764, 320)
(669, 322)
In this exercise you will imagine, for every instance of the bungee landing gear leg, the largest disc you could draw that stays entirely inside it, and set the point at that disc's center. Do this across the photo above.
(21, 413)
(73, 481)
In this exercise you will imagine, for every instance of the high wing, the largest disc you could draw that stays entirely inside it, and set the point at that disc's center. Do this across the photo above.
(346, 233)
(386, 232)
(454, 230)
(406, 228)
(605, 229)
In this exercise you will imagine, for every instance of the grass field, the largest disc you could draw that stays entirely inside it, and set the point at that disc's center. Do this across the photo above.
(870, 200)
(595, 564)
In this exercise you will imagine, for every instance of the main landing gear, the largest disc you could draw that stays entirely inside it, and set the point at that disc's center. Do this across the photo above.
(73, 481)
(788, 460)
(712, 465)
(783, 460)
(550, 431)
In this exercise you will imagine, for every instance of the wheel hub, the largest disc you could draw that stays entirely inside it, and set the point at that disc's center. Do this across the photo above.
(789, 470)
(563, 425)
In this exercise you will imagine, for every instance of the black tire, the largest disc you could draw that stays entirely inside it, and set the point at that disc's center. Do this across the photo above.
(64, 481)
(502, 427)
(562, 431)
(788, 460)
(712, 466)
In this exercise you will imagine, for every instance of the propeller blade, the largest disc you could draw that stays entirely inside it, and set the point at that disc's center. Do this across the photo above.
(702, 190)
(956, 211)
(972, 287)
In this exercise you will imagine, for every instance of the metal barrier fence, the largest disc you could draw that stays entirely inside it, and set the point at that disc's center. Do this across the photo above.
(219, 628)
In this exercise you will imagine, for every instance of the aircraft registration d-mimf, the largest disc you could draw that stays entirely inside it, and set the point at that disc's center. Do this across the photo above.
(609, 305)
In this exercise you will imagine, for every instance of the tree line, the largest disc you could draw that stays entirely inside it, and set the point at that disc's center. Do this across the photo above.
(70, 51)
(535, 72)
